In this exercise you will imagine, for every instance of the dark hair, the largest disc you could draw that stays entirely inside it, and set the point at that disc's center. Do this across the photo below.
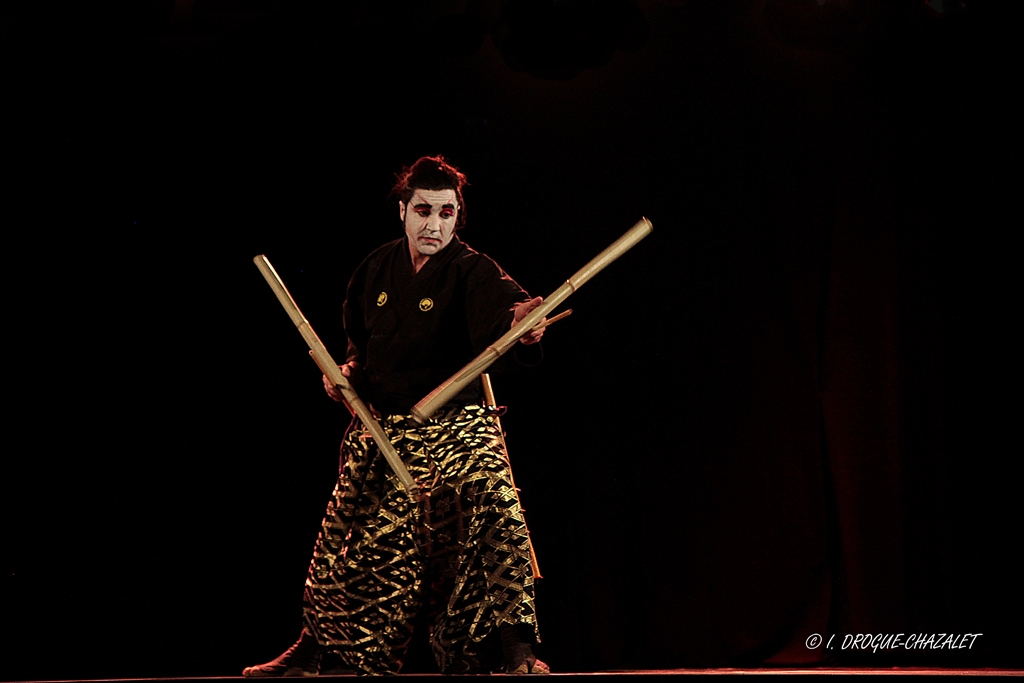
(431, 173)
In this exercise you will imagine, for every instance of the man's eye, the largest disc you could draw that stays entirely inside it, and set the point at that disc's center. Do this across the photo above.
(422, 212)
(447, 213)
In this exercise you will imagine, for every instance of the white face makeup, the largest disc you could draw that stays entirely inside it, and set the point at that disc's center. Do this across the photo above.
(429, 221)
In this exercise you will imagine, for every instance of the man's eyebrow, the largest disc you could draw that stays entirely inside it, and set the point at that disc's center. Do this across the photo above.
(425, 205)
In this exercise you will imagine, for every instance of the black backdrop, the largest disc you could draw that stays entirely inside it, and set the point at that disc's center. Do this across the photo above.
(786, 412)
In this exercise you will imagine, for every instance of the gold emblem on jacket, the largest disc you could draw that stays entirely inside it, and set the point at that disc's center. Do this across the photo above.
(382, 298)
(426, 304)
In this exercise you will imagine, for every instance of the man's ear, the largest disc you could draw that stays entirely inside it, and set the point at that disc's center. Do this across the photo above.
(401, 210)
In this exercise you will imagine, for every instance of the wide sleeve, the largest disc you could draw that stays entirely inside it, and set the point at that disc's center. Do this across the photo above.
(491, 296)
(354, 317)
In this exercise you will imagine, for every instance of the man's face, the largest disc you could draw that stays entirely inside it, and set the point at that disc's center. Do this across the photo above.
(429, 220)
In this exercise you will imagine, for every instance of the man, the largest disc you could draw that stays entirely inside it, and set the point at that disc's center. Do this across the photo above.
(416, 311)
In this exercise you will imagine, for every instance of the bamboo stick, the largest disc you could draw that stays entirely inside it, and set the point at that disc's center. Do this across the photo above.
(551, 321)
(490, 402)
(327, 365)
(423, 410)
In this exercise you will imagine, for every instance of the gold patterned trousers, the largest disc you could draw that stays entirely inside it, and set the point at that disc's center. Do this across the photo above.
(458, 559)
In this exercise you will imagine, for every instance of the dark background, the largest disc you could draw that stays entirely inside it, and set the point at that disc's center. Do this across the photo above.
(787, 411)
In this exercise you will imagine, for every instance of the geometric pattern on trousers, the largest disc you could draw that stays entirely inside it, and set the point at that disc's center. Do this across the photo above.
(460, 554)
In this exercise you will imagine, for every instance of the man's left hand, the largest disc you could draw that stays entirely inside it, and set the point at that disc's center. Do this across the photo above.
(521, 310)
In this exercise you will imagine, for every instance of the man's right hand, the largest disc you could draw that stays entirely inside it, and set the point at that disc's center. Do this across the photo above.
(350, 371)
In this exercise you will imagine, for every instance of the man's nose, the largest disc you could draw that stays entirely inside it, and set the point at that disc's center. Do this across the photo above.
(434, 223)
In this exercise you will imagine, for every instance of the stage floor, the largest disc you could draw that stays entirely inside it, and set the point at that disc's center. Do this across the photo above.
(830, 672)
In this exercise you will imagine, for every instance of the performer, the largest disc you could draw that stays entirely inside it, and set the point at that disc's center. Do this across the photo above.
(458, 557)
